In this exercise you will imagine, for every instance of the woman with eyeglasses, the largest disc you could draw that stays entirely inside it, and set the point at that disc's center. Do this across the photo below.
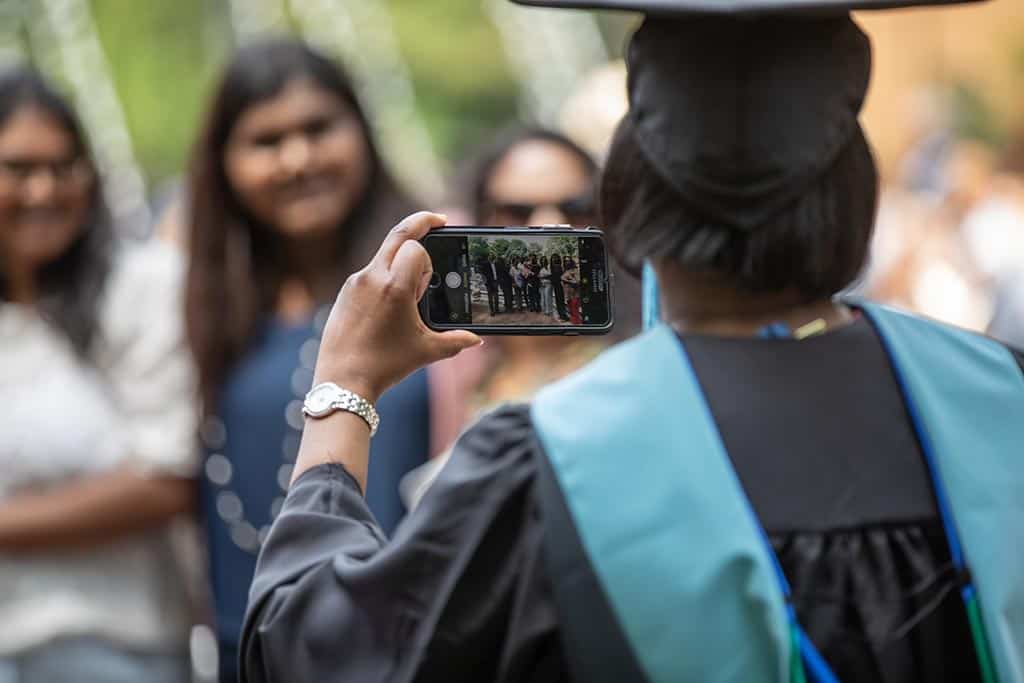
(288, 195)
(97, 429)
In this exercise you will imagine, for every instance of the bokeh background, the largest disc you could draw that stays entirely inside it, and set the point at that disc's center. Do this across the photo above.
(443, 74)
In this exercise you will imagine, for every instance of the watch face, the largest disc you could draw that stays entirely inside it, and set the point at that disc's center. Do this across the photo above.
(319, 400)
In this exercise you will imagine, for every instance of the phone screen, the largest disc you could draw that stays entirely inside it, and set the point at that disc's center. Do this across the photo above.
(522, 280)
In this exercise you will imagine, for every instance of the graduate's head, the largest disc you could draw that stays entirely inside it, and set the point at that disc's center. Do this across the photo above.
(817, 245)
(742, 154)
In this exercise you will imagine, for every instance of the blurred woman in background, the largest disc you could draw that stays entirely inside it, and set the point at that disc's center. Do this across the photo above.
(288, 195)
(535, 177)
(97, 431)
(527, 177)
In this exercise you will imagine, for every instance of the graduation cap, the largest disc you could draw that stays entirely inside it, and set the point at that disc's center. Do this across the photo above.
(740, 105)
(748, 8)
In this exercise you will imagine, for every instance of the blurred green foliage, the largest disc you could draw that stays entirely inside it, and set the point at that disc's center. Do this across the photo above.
(463, 83)
(165, 56)
(512, 250)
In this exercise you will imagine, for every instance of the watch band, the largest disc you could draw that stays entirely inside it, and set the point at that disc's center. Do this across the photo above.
(327, 398)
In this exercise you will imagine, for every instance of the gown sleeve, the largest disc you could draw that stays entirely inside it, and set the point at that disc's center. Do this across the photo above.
(448, 598)
(1018, 356)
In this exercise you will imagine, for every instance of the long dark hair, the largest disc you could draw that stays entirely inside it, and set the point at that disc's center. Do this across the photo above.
(234, 274)
(72, 285)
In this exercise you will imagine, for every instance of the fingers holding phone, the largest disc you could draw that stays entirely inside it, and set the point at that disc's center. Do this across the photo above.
(374, 336)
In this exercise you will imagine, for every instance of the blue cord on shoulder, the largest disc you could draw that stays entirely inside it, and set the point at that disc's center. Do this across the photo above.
(775, 330)
(651, 298)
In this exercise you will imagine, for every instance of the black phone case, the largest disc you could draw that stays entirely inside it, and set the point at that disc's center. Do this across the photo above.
(527, 330)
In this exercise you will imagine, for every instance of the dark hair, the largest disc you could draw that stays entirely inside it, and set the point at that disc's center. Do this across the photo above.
(482, 167)
(234, 273)
(818, 245)
(72, 285)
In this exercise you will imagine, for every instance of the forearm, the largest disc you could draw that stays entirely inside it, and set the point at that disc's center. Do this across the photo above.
(342, 438)
(92, 511)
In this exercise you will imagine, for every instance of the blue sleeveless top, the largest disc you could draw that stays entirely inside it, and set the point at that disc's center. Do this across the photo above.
(251, 447)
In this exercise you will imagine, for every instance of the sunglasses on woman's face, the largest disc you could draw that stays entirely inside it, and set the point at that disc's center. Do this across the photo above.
(578, 211)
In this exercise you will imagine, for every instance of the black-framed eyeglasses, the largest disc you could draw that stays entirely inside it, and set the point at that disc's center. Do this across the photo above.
(21, 170)
(579, 211)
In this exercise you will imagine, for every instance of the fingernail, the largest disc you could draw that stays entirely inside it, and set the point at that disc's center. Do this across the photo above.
(481, 343)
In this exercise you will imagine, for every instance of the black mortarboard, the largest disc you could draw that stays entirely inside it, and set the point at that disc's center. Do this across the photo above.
(741, 104)
(746, 8)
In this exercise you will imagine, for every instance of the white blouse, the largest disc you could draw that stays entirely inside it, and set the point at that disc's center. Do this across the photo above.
(64, 418)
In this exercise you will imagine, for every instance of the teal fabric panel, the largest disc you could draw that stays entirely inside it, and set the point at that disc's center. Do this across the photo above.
(662, 516)
(968, 395)
(651, 299)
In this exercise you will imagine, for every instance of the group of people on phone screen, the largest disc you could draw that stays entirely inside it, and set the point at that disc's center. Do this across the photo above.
(536, 284)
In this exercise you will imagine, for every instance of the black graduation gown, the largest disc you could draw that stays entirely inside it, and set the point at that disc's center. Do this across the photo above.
(818, 433)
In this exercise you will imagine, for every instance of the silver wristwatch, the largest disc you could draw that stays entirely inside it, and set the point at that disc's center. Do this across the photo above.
(328, 397)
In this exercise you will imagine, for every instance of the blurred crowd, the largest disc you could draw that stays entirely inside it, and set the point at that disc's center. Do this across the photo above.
(949, 238)
(153, 389)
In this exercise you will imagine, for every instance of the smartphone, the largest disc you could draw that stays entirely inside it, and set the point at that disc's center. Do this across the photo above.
(523, 281)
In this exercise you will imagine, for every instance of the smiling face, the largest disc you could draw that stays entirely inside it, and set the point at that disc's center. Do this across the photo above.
(299, 161)
(45, 189)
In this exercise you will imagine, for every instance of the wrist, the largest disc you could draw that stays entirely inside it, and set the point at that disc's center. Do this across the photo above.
(357, 383)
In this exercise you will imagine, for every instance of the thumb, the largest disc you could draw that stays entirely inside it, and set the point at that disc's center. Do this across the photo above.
(448, 344)
(411, 267)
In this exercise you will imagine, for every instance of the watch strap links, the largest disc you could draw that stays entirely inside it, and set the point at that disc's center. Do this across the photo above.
(327, 397)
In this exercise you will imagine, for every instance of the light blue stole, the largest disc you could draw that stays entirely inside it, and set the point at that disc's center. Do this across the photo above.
(671, 535)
